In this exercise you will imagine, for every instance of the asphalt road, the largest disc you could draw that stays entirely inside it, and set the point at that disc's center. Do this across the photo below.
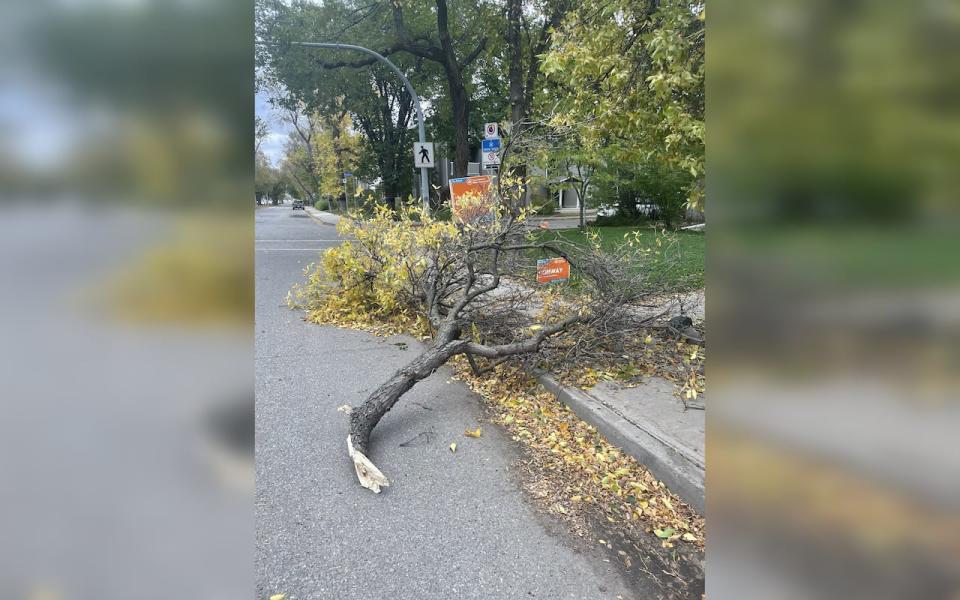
(452, 525)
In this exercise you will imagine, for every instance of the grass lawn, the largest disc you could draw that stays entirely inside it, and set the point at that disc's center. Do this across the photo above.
(690, 271)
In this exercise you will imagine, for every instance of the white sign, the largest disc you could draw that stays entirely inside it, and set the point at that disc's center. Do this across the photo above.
(490, 158)
(490, 131)
(423, 154)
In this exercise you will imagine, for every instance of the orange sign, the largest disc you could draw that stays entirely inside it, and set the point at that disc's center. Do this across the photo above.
(470, 197)
(552, 269)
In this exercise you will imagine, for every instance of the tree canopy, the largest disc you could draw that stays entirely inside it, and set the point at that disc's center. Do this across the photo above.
(623, 78)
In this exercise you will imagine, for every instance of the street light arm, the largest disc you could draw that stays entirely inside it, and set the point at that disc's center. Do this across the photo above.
(384, 60)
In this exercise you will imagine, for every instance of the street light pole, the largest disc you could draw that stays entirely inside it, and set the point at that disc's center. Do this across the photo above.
(424, 178)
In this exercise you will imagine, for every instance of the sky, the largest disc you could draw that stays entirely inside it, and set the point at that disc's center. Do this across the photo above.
(272, 145)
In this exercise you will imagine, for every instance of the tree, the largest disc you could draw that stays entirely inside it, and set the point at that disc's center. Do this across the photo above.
(300, 161)
(528, 27)
(469, 286)
(384, 118)
(264, 176)
(631, 73)
(450, 40)
(260, 131)
(454, 54)
(559, 149)
(374, 99)
(318, 152)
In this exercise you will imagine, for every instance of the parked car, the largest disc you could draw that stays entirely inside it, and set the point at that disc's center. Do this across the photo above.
(298, 204)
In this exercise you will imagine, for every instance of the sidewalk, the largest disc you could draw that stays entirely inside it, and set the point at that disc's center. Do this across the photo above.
(323, 216)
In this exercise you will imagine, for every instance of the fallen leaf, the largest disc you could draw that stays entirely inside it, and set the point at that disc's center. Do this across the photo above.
(689, 537)
(453, 447)
(345, 408)
(663, 533)
(278, 597)
(536, 327)
(474, 434)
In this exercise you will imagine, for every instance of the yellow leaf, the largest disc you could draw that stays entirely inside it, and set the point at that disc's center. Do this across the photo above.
(667, 502)
(648, 339)
(474, 434)
(689, 537)
(453, 447)
(536, 327)
(278, 597)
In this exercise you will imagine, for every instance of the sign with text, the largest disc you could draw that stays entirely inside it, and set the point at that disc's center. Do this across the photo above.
(491, 145)
(490, 152)
(423, 155)
(470, 197)
(550, 270)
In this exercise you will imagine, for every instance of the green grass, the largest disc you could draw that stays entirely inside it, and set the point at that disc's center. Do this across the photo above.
(690, 272)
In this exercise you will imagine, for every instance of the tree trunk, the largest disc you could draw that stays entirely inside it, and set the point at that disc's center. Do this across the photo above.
(583, 220)
(461, 123)
(515, 71)
(365, 417)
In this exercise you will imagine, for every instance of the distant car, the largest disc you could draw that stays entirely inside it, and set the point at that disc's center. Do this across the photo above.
(298, 204)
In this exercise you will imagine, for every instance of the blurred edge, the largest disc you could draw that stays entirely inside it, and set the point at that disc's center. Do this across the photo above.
(834, 299)
(126, 261)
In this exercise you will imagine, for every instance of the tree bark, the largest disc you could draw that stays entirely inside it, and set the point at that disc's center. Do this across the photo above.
(461, 121)
(365, 417)
(515, 69)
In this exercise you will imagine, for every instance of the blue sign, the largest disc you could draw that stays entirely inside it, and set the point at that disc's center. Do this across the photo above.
(348, 174)
(492, 145)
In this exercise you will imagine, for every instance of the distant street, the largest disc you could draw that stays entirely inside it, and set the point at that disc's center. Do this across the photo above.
(451, 526)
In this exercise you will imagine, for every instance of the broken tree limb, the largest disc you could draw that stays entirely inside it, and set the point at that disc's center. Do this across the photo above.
(470, 282)
(369, 475)
(365, 417)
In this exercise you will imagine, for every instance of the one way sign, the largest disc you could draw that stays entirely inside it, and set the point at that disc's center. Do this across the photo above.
(423, 154)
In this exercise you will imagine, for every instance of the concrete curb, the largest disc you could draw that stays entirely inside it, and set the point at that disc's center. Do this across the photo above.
(672, 463)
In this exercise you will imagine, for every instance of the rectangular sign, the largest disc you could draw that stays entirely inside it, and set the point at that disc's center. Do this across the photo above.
(423, 155)
(490, 152)
(491, 145)
(470, 197)
(550, 270)
(490, 130)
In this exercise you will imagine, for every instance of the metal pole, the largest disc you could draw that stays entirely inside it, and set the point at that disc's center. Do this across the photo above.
(424, 179)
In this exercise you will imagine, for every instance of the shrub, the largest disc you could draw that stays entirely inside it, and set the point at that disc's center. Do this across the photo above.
(444, 214)
(321, 204)
(546, 208)
(619, 220)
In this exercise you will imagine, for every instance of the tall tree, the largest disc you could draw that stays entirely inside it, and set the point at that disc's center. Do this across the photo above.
(529, 31)
(443, 33)
(378, 106)
(384, 118)
(454, 58)
(630, 74)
